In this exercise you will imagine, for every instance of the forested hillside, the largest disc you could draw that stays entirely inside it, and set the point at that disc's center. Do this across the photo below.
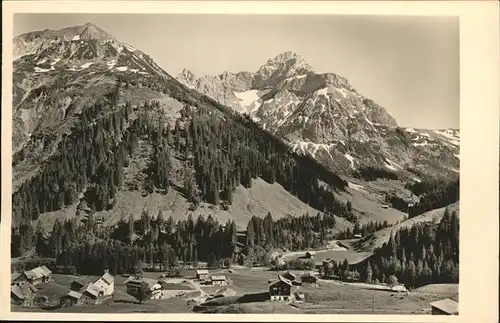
(212, 149)
(425, 253)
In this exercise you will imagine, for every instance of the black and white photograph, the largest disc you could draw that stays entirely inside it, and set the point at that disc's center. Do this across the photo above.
(235, 163)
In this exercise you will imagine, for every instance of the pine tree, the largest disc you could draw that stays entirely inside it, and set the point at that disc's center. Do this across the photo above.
(131, 229)
(41, 245)
(369, 273)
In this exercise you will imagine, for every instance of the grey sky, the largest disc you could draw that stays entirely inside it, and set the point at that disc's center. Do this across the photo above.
(409, 65)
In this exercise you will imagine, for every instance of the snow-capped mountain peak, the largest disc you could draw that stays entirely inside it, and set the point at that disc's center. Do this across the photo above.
(313, 110)
(282, 66)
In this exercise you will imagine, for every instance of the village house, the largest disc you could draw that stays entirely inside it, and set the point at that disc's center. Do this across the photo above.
(107, 283)
(309, 278)
(219, 280)
(310, 254)
(88, 294)
(202, 274)
(71, 299)
(290, 276)
(36, 275)
(445, 306)
(78, 284)
(134, 285)
(281, 289)
(23, 293)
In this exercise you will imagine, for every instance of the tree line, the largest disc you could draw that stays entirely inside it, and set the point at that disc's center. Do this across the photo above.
(362, 229)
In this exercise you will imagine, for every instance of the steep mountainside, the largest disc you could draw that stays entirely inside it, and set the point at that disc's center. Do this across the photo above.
(322, 115)
(100, 129)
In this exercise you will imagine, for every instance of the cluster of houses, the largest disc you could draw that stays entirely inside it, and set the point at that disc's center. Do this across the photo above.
(85, 292)
(203, 275)
(23, 289)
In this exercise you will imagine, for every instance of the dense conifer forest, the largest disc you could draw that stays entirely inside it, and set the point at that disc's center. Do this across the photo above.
(434, 195)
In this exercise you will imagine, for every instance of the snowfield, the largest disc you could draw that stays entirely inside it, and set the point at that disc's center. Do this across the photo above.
(248, 99)
(350, 159)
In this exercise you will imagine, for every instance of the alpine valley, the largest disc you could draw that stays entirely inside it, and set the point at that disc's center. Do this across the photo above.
(118, 164)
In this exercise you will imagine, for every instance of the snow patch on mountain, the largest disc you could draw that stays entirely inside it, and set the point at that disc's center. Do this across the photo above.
(392, 165)
(342, 91)
(323, 91)
(249, 98)
(452, 136)
(304, 147)
(86, 65)
(350, 159)
(43, 70)
(122, 68)
(356, 186)
(425, 143)
(111, 63)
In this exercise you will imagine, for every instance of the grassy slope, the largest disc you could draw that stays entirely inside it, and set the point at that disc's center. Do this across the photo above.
(367, 200)
(261, 198)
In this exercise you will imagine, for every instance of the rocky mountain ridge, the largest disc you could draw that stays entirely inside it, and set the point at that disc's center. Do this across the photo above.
(321, 114)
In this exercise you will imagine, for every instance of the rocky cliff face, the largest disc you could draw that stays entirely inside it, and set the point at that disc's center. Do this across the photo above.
(321, 114)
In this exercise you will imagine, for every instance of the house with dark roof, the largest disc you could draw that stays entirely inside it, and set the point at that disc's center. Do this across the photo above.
(445, 306)
(78, 284)
(71, 299)
(134, 284)
(290, 276)
(23, 293)
(219, 280)
(309, 278)
(82, 292)
(280, 289)
(310, 254)
(36, 275)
